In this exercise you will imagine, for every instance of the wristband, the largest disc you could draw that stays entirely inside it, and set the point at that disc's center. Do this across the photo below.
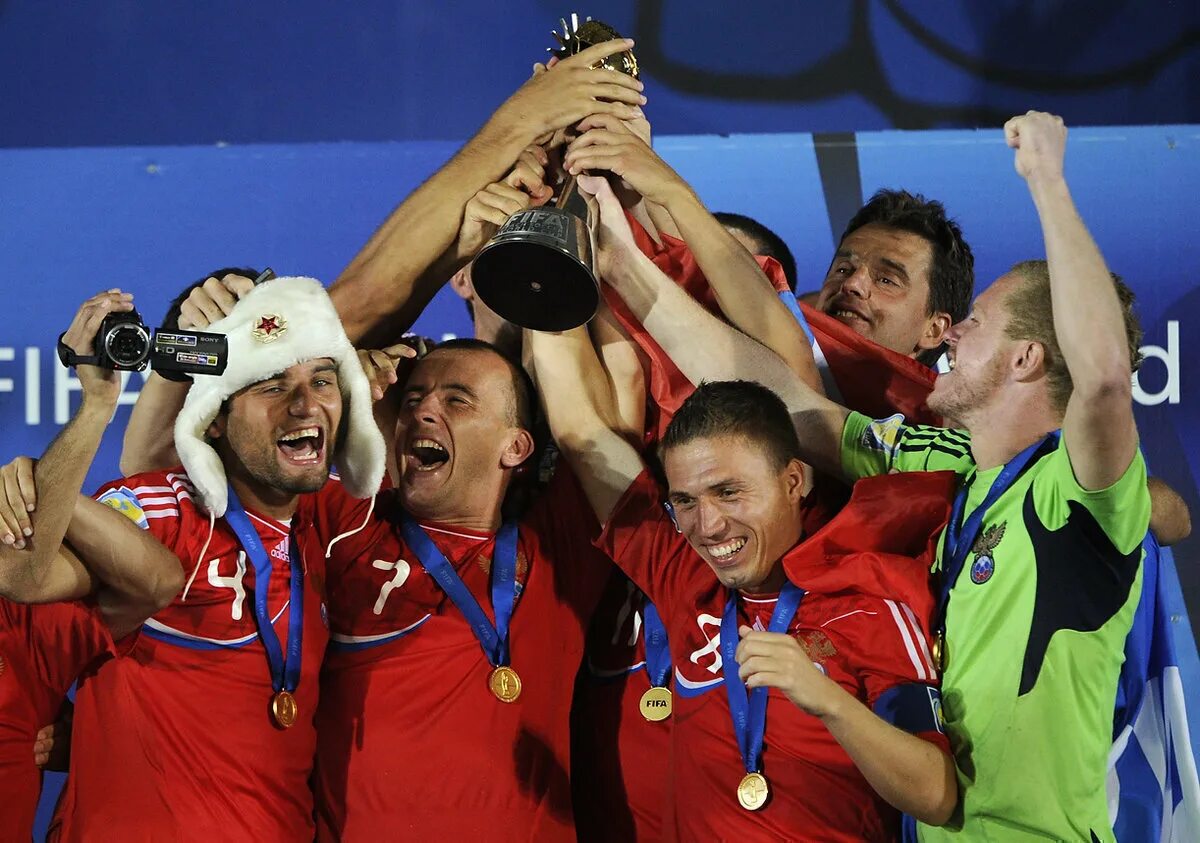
(68, 357)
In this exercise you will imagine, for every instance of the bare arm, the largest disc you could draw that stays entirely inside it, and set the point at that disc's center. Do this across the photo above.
(1170, 519)
(622, 364)
(33, 570)
(913, 775)
(131, 584)
(36, 571)
(743, 291)
(702, 346)
(1098, 428)
(388, 282)
(605, 464)
(149, 441)
(138, 574)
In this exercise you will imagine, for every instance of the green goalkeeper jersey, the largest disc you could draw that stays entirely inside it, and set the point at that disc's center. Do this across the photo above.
(1035, 631)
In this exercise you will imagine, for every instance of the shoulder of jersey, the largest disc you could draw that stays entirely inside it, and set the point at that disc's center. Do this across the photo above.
(145, 497)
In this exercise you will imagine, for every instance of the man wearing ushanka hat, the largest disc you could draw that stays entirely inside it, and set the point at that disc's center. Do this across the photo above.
(204, 729)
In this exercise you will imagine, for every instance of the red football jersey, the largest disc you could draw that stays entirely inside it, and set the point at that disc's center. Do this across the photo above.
(412, 743)
(621, 759)
(855, 622)
(175, 741)
(42, 650)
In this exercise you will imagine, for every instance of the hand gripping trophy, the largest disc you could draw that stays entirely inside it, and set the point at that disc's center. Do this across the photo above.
(538, 271)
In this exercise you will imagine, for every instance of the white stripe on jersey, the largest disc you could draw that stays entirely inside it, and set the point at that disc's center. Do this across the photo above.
(908, 642)
(228, 642)
(161, 513)
(609, 674)
(174, 501)
(827, 378)
(181, 481)
(153, 490)
(683, 680)
(429, 529)
(920, 636)
(367, 639)
(848, 614)
(274, 525)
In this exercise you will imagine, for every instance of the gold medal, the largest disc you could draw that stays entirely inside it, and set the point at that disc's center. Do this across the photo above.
(938, 650)
(284, 709)
(656, 704)
(505, 684)
(753, 791)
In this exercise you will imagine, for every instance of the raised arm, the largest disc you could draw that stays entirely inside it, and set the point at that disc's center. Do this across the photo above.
(131, 584)
(567, 371)
(702, 346)
(32, 569)
(743, 291)
(1098, 428)
(389, 283)
(621, 361)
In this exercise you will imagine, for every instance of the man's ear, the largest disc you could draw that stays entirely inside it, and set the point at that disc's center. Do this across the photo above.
(935, 331)
(793, 477)
(461, 284)
(1030, 362)
(216, 428)
(520, 448)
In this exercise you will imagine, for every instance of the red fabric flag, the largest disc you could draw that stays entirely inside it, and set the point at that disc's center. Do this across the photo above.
(882, 542)
(667, 387)
(870, 378)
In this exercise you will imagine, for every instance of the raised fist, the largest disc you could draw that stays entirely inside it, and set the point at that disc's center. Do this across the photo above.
(1040, 140)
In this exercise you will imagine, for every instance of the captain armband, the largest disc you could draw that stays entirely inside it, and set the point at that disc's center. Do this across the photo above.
(912, 707)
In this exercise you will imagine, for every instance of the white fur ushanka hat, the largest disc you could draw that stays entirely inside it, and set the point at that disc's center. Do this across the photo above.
(278, 324)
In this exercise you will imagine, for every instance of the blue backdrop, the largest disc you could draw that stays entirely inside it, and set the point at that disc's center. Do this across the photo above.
(151, 219)
(179, 72)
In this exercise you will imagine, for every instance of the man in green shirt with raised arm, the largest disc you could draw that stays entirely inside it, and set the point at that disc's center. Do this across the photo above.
(1041, 563)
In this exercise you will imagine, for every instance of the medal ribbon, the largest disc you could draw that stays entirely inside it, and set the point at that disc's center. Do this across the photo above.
(285, 672)
(493, 639)
(960, 536)
(658, 657)
(749, 711)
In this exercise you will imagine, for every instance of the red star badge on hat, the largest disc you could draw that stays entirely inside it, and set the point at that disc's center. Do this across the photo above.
(269, 327)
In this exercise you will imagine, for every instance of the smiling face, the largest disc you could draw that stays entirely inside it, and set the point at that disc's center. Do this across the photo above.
(281, 432)
(738, 510)
(981, 356)
(458, 437)
(878, 285)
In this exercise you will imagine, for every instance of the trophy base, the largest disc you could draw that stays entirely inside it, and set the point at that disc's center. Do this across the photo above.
(535, 285)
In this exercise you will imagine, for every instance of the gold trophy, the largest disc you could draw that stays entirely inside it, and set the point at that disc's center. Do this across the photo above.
(537, 271)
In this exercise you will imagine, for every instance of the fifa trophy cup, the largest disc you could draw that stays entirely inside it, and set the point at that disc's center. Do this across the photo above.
(537, 271)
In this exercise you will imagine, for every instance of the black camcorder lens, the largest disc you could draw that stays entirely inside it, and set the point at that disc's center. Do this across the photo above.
(127, 345)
